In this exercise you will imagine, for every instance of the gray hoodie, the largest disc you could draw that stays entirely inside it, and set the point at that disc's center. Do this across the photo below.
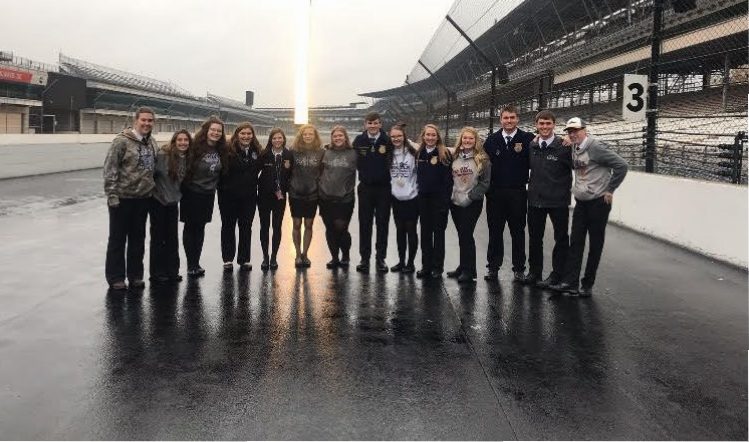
(338, 177)
(128, 167)
(597, 170)
(468, 184)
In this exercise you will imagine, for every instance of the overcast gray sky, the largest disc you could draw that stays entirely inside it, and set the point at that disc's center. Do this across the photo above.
(228, 46)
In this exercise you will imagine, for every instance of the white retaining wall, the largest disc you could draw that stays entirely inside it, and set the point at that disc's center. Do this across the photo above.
(36, 154)
(75, 138)
(709, 218)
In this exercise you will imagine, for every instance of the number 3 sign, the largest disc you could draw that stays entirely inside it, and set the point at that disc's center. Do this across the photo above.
(635, 96)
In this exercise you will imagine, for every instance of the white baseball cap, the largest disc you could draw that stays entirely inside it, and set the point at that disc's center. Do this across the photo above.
(574, 123)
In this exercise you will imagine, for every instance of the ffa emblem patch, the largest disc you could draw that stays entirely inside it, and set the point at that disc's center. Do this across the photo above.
(382, 150)
(287, 164)
(433, 160)
(518, 147)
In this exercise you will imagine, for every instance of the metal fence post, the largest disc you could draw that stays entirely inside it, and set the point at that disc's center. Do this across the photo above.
(652, 110)
(738, 150)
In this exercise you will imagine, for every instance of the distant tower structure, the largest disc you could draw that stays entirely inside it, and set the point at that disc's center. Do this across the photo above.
(249, 98)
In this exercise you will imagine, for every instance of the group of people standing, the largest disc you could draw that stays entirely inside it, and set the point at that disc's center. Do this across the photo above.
(523, 176)
(532, 179)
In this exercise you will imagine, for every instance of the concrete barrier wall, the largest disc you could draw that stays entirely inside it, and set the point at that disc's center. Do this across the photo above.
(709, 218)
(38, 139)
(27, 155)
(37, 159)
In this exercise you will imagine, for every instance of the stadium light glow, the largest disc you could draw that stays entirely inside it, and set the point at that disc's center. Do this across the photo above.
(301, 115)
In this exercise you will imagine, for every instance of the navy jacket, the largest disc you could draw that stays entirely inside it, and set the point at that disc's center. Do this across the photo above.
(551, 175)
(373, 162)
(434, 177)
(274, 175)
(510, 163)
(239, 179)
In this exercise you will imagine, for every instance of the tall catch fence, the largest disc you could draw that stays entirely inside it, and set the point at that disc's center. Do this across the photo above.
(571, 57)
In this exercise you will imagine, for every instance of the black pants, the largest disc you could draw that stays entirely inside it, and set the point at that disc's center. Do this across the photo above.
(374, 202)
(433, 210)
(164, 249)
(193, 234)
(560, 217)
(406, 215)
(236, 212)
(336, 217)
(465, 219)
(506, 206)
(127, 229)
(589, 217)
(268, 207)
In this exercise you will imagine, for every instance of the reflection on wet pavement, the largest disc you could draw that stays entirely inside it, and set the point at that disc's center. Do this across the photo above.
(659, 352)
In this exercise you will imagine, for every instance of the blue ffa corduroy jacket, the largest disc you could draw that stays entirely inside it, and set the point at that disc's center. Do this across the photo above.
(373, 162)
(510, 163)
(433, 176)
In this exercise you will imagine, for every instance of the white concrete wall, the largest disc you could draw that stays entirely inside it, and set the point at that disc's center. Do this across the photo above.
(33, 139)
(709, 218)
(27, 155)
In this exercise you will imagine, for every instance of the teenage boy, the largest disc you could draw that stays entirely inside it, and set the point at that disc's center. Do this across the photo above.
(128, 184)
(507, 198)
(598, 172)
(374, 150)
(548, 195)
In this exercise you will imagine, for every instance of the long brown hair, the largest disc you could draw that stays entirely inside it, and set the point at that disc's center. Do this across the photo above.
(442, 151)
(201, 147)
(172, 153)
(275, 130)
(299, 145)
(479, 155)
(234, 142)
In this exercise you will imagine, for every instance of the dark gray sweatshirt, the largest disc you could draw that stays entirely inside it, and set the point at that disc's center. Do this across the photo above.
(305, 173)
(167, 190)
(207, 172)
(338, 177)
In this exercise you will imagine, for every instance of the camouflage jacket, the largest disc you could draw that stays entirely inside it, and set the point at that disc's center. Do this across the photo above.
(129, 167)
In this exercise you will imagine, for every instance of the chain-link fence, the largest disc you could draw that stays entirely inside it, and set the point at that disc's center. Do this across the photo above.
(571, 56)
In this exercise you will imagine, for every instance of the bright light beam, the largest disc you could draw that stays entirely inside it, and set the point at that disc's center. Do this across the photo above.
(301, 115)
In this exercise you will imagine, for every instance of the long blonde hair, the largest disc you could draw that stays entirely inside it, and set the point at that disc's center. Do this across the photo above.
(299, 145)
(442, 151)
(480, 155)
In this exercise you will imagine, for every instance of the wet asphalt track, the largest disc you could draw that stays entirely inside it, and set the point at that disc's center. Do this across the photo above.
(659, 352)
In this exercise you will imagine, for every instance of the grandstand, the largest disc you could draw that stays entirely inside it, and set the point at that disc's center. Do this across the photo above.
(350, 116)
(571, 56)
(79, 96)
(22, 82)
(112, 96)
